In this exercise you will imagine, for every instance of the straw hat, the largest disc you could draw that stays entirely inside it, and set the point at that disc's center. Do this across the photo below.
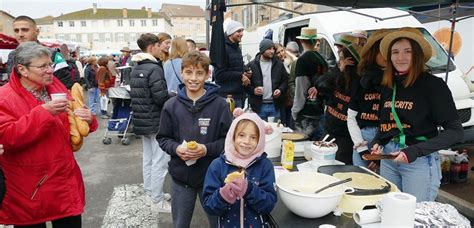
(351, 43)
(125, 49)
(308, 33)
(373, 38)
(346, 39)
(410, 33)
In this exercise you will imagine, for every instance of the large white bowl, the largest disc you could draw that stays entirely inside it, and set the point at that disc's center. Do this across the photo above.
(303, 201)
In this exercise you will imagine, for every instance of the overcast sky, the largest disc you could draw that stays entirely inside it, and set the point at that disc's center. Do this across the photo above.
(41, 8)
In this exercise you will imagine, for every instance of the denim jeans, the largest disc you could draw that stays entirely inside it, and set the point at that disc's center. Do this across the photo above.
(420, 178)
(155, 167)
(368, 134)
(94, 101)
(267, 110)
(183, 199)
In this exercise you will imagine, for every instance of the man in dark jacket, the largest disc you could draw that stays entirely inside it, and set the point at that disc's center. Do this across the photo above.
(269, 82)
(196, 114)
(148, 94)
(231, 77)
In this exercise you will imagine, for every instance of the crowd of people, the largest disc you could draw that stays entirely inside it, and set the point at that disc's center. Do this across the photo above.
(379, 100)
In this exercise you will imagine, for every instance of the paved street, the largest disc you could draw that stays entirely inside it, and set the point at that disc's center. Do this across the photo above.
(114, 193)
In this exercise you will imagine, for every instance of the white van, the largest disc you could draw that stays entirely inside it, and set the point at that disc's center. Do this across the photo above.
(332, 24)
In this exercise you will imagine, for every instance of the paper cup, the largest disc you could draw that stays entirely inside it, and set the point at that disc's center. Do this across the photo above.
(271, 119)
(57, 96)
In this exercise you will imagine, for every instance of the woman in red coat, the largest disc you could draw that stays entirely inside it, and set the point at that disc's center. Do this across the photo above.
(44, 182)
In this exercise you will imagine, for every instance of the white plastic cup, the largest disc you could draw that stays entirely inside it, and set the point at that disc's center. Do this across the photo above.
(271, 119)
(57, 96)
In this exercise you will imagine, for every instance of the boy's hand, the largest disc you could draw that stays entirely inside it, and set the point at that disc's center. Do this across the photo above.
(197, 153)
(181, 151)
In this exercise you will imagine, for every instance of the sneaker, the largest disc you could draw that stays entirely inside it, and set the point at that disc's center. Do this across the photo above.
(167, 196)
(161, 207)
(104, 117)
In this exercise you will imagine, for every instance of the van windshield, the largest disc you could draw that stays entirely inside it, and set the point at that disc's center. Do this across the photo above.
(437, 63)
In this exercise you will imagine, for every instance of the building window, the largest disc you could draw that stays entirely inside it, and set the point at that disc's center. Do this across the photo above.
(120, 37)
(73, 37)
(119, 23)
(133, 37)
(154, 22)
(61, 36)
(84, 38)
(131, 23)
(71, 23)
(95, 24)
(106, 23)
(83, 23)
(60, 24)
(245, 17)
(95, 37)
(143, 22)
(198, 26)
(108, 38)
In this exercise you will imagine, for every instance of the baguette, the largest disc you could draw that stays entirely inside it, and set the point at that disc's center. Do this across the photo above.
(76, 147)
(78, 95)
(76, 137)
(234, 175)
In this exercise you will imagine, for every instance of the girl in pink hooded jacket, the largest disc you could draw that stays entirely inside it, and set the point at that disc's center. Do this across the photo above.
(252, 197)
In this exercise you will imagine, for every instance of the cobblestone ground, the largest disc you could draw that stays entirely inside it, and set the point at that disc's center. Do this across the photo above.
(128, 207)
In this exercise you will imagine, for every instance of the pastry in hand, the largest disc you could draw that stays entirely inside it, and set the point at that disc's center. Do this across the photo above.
(192, 145)
(234, 175)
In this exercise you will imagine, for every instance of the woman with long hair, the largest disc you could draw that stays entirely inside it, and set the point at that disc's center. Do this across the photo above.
(172, 67)
(363, 112)
(414, 104)
(165, 44)
(104, 82)
(336, 89)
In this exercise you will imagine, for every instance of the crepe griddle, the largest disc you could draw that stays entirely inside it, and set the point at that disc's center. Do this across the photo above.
(331, 169)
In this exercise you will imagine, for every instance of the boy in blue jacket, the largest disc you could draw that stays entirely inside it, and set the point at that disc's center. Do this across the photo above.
(197, 114)
(253, 194)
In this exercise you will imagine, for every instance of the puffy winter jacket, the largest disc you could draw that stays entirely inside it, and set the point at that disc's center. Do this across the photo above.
(260, 197)
(43, 179)
(205, 121)
(149, 94)
(229, 77)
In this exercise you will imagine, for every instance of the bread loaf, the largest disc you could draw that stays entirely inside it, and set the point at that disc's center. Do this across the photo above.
(234, 175)
(192, 145)
(78, 95)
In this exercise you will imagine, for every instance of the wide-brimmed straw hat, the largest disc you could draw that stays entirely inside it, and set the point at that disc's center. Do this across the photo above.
(409, 33)
(346, 39)
(351, 43)
(308, 33)
(373, 38)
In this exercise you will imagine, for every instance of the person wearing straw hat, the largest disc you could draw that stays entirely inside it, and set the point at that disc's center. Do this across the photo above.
(362, 35)
(307, 110)
(414, 104)
(336, 89)
(362, 115)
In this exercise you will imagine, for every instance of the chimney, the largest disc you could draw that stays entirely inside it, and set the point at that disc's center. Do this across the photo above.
(148, 10)
(124, 12)
(94, 8)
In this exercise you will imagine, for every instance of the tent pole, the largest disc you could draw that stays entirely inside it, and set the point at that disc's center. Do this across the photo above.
(453, 24)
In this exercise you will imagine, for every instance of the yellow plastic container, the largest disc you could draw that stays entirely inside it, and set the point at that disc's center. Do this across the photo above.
(288, 154)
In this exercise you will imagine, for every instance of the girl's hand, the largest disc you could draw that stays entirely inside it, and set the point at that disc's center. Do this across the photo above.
(1, 149)
(401, 157)
(227, 194)
(377, 149)
(239, 187)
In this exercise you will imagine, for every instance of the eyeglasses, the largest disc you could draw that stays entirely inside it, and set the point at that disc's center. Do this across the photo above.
(44, 67)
